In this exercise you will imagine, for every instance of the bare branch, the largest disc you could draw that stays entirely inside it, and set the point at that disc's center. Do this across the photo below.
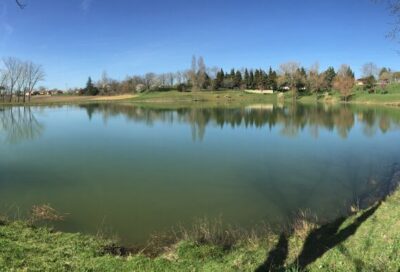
(20, 4)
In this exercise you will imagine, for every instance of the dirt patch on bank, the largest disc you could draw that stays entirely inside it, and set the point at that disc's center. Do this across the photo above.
(113, 98)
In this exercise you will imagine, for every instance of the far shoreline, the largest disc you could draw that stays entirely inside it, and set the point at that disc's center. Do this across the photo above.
(230, 97)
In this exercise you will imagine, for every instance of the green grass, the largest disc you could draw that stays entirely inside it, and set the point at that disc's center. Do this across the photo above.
(228, 98)
(388, 96)
(216, 97)
(374, 247)
(239, 98)
(370, 244)
(23, 248)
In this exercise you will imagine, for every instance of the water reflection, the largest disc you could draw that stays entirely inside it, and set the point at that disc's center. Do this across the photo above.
(291, 119)
(19, 124)
(245, 175)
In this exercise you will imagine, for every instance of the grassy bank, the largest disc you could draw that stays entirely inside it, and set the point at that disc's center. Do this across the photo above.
(391, 96)
(204, 97)
(178, 99)
(69, 99)
(392, 99)
(239, 98)
(366, 241)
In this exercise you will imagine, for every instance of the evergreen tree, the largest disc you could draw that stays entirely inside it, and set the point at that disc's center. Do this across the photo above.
(247, 79)
(300, 78)
(272, 79)
(383, 71)
(257, 79)
(350, 72)
(89, 84)
(232, 74)
(369, 83)
(90, 88)
(207, 82)
(260, 81)
(329, 75)
(303, 72)
(238, 79)
(219, 80)
(265, 80)
(251, 80)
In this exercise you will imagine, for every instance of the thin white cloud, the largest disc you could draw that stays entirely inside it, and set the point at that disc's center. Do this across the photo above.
(85, 4)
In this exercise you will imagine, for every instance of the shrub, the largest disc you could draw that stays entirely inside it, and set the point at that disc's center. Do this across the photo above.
(183, 87)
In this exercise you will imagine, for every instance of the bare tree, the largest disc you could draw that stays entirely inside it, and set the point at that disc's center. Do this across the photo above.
(201, 74)
(192, 74)
(385, 75)
(344, 82)
(288, 75)
(3, 81)
(370, 69)
(103, 84)
(315, 79)
(162, 78)
(13, 71)
(197, 74)
(150, 80)
(20, 4)
(212, 72)
(179, 77)
(21, 83)
(34, 74)
(186, 76)
(394, 7)
(170, 79)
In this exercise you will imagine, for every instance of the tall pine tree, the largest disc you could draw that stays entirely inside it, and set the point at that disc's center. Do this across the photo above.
(272, 79)
(238, 79)
(219, 80)
(251, 80)
(247, 79)
(90, 88)
(329, 76)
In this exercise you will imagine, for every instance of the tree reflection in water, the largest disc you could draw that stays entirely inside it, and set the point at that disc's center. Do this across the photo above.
(291, 119)
(19, 124)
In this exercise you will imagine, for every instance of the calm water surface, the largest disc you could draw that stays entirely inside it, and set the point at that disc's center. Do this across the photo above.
(134, 171)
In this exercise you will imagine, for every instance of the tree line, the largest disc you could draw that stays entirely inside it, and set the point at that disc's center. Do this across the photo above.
(290, 76)
(18, 79)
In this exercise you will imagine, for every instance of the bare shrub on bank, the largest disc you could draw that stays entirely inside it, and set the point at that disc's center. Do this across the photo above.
(45, 213)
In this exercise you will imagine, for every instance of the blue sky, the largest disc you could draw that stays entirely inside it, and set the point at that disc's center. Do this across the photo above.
(74, 39)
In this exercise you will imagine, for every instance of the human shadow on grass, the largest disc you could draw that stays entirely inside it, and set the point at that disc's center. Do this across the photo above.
(277, 256)
(322, 239)
(317, 243)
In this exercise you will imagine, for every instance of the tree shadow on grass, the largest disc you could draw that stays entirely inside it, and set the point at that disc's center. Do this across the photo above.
(317, 243)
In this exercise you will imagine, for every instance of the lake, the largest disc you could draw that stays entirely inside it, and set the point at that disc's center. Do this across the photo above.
(133, 170)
